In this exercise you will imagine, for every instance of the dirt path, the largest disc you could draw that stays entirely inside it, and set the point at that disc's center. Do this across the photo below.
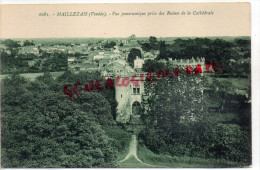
(133, 152)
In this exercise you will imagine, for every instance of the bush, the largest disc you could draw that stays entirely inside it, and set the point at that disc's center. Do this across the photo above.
(42, 128)
(222, 141)
(121, 139)
(154, 140)
(230, 142)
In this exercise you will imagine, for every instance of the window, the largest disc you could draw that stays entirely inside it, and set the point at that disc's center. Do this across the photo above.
(136, 90)
(121, 96)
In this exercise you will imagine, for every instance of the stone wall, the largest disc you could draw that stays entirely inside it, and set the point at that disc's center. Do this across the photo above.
(125, 97)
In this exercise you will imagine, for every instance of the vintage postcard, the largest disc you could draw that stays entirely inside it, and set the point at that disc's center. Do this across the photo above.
(126, 85)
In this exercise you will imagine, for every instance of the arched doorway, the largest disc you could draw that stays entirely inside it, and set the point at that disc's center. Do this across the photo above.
(136, 113)
(136, 108)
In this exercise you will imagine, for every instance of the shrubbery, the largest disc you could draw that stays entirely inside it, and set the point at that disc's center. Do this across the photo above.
(121, 139)
(42, 128)
(222, 141)
(178, 123)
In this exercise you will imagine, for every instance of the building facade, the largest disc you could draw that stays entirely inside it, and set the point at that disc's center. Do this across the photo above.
(129, 98)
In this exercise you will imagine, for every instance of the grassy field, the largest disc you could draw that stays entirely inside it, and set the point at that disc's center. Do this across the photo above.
(32, 76)
(133, 163)
(239, 83)
(149, 157)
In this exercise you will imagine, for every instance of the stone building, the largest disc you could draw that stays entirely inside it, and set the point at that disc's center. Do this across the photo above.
(182, 63)
(138, 63)
(129, 98)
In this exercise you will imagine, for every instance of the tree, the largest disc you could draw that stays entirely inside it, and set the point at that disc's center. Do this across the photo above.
(10, 60)
(85, 77)
(133, 54)
(244, 44)
(146, 47)
(28, 43)
(154, 65)
(163, 52)
(97, 105)
(11, 43)
(110, 44)
(77, 55)
(222, 91)
(173, 103)
(178, 122)
(153, 41)
(6, 62)
(42, 128)
(173, 99)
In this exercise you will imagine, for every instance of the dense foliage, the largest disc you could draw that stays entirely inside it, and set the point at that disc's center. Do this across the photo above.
(152, 44)
(132, 55)
(233, 54)
(154, 65)
(110, 44)
(42, 128)
(178, 121)
(185, 116)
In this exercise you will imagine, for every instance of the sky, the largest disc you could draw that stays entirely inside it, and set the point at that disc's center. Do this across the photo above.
(24, 21)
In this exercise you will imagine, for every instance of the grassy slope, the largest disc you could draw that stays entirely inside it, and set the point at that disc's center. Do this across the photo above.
(133, 163)
(149, 157)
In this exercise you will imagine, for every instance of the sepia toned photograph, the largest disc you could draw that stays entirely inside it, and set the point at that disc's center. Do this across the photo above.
(140, 85)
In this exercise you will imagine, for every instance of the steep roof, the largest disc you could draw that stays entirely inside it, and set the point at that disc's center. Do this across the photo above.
(114, 66)
(120, 61)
